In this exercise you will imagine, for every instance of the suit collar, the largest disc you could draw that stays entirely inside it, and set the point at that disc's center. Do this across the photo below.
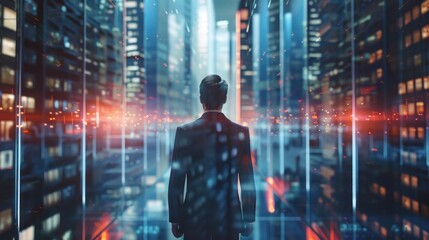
(212, 114)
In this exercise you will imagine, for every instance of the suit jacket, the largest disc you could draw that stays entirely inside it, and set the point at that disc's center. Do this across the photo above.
(211, 155)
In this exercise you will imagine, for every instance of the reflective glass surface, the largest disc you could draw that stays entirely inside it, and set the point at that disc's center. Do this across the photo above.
(334, 94)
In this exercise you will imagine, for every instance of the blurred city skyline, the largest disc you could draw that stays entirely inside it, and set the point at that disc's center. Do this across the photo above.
(335, 94)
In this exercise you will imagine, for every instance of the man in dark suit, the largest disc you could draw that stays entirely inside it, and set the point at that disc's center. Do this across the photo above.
(211, 162)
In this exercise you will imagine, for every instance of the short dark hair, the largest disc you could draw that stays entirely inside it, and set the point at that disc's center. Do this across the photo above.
(213, 90)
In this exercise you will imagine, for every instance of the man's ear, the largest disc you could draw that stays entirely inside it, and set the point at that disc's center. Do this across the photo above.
(201, 100)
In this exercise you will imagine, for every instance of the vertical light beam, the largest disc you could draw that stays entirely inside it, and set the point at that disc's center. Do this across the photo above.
(83, 160)
(354, 140)
(18, 111)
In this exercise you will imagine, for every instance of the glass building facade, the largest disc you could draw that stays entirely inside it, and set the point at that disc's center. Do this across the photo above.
(335, 94)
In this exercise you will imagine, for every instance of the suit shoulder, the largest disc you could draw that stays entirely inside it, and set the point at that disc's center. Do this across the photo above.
(191, 125)
(239, 127)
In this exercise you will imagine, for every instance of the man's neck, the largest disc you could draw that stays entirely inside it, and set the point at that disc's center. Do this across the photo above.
(214, 110)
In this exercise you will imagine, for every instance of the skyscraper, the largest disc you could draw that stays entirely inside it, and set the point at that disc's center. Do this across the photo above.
(135, 82)
(245, 101)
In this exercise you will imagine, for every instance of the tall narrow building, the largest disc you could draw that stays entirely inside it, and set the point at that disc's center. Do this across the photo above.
(245, 103)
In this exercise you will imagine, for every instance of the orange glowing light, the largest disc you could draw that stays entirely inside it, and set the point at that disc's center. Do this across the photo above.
(311, 235)
(270, 200)
(104, 236)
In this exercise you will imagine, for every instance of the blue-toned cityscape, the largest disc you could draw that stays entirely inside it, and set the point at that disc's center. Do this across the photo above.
(335, 94)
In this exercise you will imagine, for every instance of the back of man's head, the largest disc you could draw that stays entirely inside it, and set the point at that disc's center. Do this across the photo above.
(213, 91)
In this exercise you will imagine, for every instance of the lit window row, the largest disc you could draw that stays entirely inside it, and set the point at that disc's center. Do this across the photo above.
(413, 133)
(409, 181)
(411, 204)
(414, 230)
(415, 37)
(378, 189)
(380, 229)
(375, 56)
(53, 176)
(52, 223)
(411, 108)
(409, 157)
(415, 12)
(52, 198)
(413, 85)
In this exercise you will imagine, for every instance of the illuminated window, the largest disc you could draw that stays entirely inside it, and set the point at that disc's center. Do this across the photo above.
(51, 223)
(403, 110)
(416, 207)
(52, 176)
(410, 86)
(5, 133)
(383, 231)
(417, 60)
(419, 84)
(7, 75)
(364, 218)
(416, 36)
(406, 202)
(420, 132)
(379, 73)
(5, 220)
(425, 32)
(416, 12)
(52, 198)
(29, 103)
(29, 81)
(28, 233)
(379, 54)
(411, 109)
(8, 47)
(376, 226)
(405, 178)
(420, 106)
(426, 82)
(425, 235)
(375, 187)
(416, 231)
(9, 18)
(406, 226)
(6, 161)
(425, 7)
(379, 34)
(414, 181)
(382, 191)
(404, 132)
(7, 101)
(407, 17)
(407, 40)
(412, 132)
(402, 89)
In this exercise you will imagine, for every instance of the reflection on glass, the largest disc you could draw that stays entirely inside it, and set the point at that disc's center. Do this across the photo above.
(290, 67)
